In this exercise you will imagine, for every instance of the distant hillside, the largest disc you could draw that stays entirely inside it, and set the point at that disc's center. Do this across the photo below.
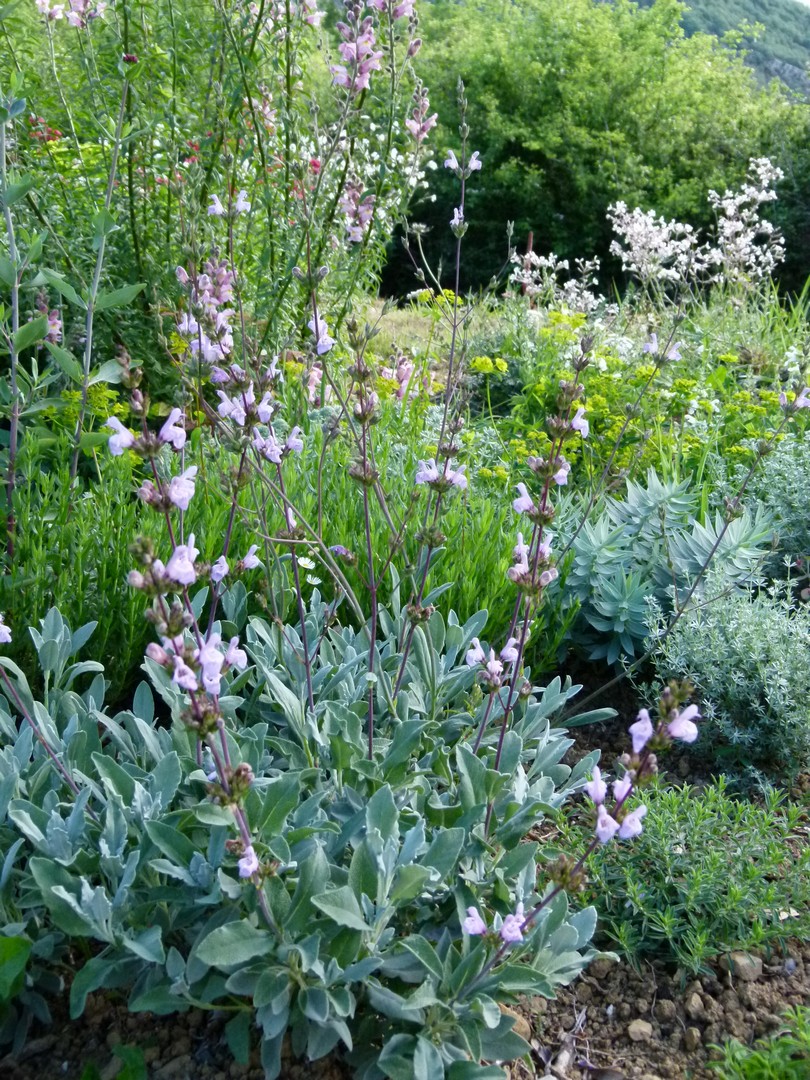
(783, 51)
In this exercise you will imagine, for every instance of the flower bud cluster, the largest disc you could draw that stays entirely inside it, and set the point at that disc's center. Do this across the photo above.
(358, 209)
(206, 327)
(673, 723)
(357, 49)
(235, 785)
(419, 123)
(532, 577)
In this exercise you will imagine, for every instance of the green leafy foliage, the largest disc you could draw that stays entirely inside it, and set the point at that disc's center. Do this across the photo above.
(368, 864)
(708, 875)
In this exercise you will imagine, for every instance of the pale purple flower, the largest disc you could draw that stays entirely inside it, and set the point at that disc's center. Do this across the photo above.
(182, 275)
(181, 488)
(494, 666)
(652, 345)
(457, 477)
(294, 444)
(596, 787)
(268, 447)
(474, 925)
(183, 676)
(5, 632)
(180, 567)
(683, 726)
(232, 407)
(249, 863)
(250, 562)
(512, 929)
(451, 161)
(631, 825)
(157, 653)
(171, 432)
(54, 327)
(216, 209)
(475, 654)
(641, 731)
(426, 472)
(561, 475)
(622, 787)
(219, 570)
(524, 504)
(211, 661)
(235, 656)
(544, 549)
(475, 163)
(520, 550)
(606, 826)
(241, 205)
(324, 342)
(803, 400)
(675, 352)
(548, 576)
(265, 408)
(123, 438)
(580, 424)
(457, 219)
(509, 653)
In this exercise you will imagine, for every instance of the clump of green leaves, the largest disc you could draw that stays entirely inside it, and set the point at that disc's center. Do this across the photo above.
(708, 874)
(749, 658)
(785, 1056)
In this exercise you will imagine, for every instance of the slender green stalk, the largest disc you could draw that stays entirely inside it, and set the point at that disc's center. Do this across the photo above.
(13, 354)
(94, 285)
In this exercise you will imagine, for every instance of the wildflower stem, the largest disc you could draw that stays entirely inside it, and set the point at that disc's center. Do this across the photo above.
(94, 285)
(13, 354)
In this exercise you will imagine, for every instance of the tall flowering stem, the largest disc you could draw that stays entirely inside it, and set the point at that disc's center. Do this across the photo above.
(196, 665)
(674, 723)
(94, 284)
(533, 571)
(13, 353)
(442, 478)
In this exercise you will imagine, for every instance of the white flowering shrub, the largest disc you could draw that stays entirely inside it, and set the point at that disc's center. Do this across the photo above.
(744, 251)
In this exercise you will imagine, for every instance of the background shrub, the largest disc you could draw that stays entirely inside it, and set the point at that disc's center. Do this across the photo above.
(750, 660)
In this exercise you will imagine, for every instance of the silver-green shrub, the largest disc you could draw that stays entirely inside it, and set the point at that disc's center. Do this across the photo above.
(749, 658)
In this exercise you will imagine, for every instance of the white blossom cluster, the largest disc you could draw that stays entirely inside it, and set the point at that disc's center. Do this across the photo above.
(746, 249)
(749, 248)
(539, 278)
(652, 248)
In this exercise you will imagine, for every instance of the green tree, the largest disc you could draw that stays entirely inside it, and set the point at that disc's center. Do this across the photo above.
(574, 104)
